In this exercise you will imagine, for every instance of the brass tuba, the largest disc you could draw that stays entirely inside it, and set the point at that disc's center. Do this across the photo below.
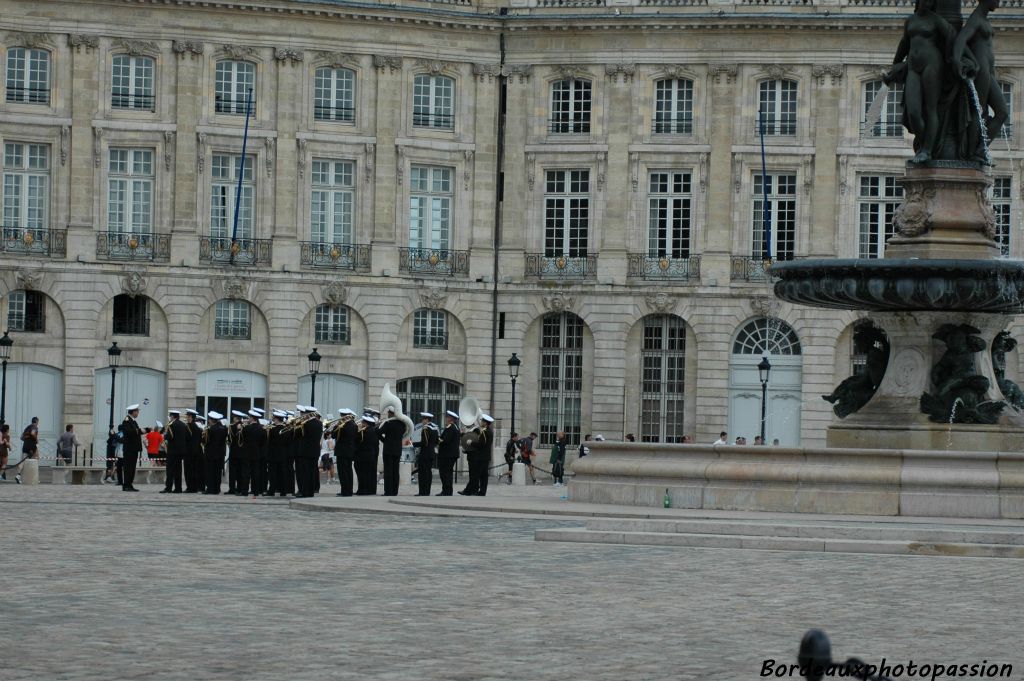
(389, 400)
(469, 415)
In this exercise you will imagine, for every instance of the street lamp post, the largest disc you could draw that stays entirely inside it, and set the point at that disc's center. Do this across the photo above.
(314, 369)
(113, 359)
(513, 373)
(5, 354)
(764, 368)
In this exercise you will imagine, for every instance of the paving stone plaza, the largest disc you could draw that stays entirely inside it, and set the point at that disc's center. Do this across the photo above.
(103, 585)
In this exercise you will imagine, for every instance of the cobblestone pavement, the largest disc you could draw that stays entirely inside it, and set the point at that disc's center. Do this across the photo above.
(105, 585)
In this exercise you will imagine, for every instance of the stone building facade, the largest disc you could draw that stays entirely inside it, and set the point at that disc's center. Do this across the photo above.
(432, 186)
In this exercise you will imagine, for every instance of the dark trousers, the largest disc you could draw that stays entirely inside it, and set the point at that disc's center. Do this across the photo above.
(243, 469)
(557, 471)
(119, 469)
(211, 476)
(366, 474)
(289, 475)
(199, 461)
(173, 472)
(128, 470)
(477, 475)
(258, 476)
(191, 483)
(445, 471)
(345, 476)
(305, 474)
(276, 473)
(424, 476)
(233, 473)
(391, 474)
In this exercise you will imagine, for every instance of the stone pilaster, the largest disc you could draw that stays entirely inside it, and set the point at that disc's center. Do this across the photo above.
(718, 232)
(190, 167)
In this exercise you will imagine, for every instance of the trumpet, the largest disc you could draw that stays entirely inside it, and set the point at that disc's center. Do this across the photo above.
(335, 423)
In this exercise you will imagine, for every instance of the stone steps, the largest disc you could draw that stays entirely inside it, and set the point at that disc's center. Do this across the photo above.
(831, 537)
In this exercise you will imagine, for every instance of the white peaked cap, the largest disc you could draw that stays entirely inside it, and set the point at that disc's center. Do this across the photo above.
(214, 415)
(131, 407)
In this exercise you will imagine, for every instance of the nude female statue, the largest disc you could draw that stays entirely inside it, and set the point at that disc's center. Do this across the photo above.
(975, 60)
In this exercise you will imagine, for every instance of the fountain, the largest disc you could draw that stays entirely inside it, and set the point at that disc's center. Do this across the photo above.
(940, 433)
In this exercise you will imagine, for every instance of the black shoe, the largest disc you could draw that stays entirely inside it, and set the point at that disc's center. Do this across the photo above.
(465, 493)
(163, 491)
(443, 494)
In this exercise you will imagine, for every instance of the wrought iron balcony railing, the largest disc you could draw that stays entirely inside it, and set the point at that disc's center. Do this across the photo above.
(436, 341)
(35, 241)
(339, 256)
(28, 95)
(221, 249)
(232, 330)
(137, 102)
(433, 262)
(343, 114)
(234, 105)
(785, 126)
(331, 335)
(429, 119)
(131, 246)
(672, 125)
(643, 266)
(561, 266)
(750, 268)
(567, 126)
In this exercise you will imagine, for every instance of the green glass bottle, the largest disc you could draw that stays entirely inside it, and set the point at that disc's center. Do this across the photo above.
(668, 499)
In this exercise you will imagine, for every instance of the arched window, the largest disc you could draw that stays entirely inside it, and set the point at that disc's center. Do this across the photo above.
(234, 79)
(570, 106)
(131, 315)
(233, 320)
(334, 95)
(766, 336)
(331, 325)
(28, 75)
(662, 382)
(673, 106)
(433, 102)
(561, 377)
(131, 83)
(890, 116)
(430, 394)
(777, 106)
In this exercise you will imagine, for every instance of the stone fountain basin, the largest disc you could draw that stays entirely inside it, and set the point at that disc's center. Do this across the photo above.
(902, 284)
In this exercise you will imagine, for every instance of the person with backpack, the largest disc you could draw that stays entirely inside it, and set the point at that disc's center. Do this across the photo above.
(29, 445)
(526, 454)
(511, 447)
(558, 460)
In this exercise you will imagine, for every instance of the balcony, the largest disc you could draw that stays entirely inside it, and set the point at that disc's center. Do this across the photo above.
(662, 268)
(234, 105)
(881, 130)
(232, 330)
(669, 125)
(785, 126)
(429, 119)
(749, 268)
(28, 95)
(435, 341)
(37, 241)
(433, 262)
(134, 247)
(221, 249)
(332, 334)
(133, 101)
(338, 114)
(561, 266)
(564, 126)
(337, 256)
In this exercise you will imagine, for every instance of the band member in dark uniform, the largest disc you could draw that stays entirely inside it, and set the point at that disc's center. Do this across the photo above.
(235, 453)
(131, 447)
(275, 455)
(259, 473)
(366, 456)
(427, 447)
(194, 456)
(179, 442)
(253, 439)
(479, 459)
(346, 435)
(307, 453)
(215, 439)
(448, 453)
(392, 433)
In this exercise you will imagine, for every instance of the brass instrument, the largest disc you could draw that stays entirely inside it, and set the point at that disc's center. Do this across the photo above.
(388, 400)
(298, 422)
(334, 424)
(469, 415)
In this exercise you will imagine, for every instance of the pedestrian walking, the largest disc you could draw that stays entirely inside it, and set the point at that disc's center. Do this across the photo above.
(526, 454)
(511, 447)
(67, 445)
(29, 446)
(5, 449)
(130, 436)
(557, 460)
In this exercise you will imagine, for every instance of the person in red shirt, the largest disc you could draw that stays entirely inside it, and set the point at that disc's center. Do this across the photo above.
(153, 441)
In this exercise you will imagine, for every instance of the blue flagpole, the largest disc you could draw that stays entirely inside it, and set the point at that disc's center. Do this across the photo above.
(241, 174)
(766, 220)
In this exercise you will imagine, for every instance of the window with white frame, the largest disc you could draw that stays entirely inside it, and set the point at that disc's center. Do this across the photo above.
(774, 225)
(777, 107)
(1001, 204)
(430, 207)
(669, 214)
(566, 213)
(331, 325)
(430, 329)
(673, 106)
(28, 75)
(561, 377)
(570, 106)
(131, 83)
(26, 200)
(233, 81)
(1006, 87)
(130, 191)
(433, 102)
(890, 116)
(333, 199)
(877, 200)
(334, 95)
(26, 311)
(662, 379)
(224, 172)
(232, 320)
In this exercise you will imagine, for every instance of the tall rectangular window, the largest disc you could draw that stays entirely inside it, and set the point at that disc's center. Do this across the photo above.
(668, 217)
(430, 207)
(566, 213)
(28, 75)
(433, 102)
(130, 191)
(777, 107)
(26, 199)
(430, 329)
(673, 106)
(333, 198)
(131, 83)
(232, 320)
(26, 311)
(570, 106)
(561, 377)
(662, 372)
(334, 95)
(1001, 204)
(877, 201)
(332, 325)
(131, 315)
(775, 237)
(890, 116)
(224, 172)
(233, 81)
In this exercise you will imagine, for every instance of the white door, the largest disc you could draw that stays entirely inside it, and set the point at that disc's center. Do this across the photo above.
(134, 385)
(225, 390)
(776, 340)
(35, 390)
(333, 391)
